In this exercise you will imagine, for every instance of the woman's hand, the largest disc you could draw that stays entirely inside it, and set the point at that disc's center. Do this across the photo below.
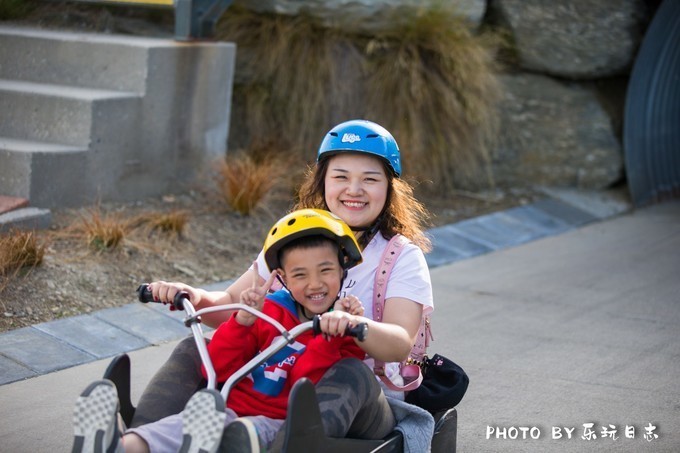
(254, 297)
(336, 323)
(165, 292)
(350, 304)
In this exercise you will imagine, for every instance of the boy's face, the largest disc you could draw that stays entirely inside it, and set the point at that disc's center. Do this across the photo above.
(312, 275)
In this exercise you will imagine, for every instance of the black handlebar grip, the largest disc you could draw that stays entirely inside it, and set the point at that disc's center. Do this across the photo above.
(178, 300)
(144, 293)
(359, 331)
(316, 324)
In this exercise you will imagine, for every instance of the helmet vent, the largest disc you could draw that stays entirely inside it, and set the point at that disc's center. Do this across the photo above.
(372, 136)
(274, 231)
(291, 221)
(334, 134)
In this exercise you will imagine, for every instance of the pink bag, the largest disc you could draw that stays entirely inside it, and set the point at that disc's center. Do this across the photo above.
(410, 369)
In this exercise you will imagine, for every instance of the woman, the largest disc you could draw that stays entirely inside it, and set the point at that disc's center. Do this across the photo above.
(357, 178)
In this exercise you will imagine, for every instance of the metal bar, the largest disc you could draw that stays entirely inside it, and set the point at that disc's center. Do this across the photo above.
(263, 356)
(287, 337)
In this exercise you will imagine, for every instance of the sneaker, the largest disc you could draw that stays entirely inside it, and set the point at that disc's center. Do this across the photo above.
(95, 419)
(203, 422)
(240, 436)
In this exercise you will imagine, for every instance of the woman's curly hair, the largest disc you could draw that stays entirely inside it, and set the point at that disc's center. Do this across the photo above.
(403, 214)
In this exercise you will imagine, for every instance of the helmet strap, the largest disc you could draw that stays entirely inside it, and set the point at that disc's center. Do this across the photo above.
(368, 232)
(304, 313)
(278, 277)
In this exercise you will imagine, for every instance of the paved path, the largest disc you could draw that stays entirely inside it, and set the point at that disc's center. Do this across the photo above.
(562, 313)
(578, 328)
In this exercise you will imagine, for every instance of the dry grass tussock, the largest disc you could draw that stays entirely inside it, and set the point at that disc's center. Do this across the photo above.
(244, 180)
(171, 223)
(431, 82)
(19, 250)
(107, 231)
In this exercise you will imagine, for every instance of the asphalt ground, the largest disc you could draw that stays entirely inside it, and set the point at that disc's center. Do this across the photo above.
(571, 320)
(571, 330)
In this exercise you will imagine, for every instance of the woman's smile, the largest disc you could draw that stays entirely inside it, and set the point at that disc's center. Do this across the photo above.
(354, 204)
(356, 188)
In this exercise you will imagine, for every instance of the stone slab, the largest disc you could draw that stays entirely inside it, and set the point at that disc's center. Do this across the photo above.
(495, 231)
(143, 322)
(449, 246)
(39, 351)
(92, 335)
(11, 371)
(567, 213)
(178, 316)
(538, 220)
(601, 204)
(26, 219)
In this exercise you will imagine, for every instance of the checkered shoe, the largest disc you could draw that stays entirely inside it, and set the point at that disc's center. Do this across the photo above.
(240, 436)
(95, 419)
(203, 422)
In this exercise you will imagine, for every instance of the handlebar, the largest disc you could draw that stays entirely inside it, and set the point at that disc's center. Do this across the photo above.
(145, 296)
(359, 331)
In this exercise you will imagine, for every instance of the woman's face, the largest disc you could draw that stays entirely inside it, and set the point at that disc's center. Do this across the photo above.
(356, 188)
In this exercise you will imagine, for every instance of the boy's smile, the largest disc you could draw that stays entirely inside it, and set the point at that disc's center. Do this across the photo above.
(313, 275)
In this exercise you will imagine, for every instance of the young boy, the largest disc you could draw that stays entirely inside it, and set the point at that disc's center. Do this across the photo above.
(309, 251)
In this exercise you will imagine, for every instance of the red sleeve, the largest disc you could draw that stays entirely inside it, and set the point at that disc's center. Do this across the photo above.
(231, 347)
(321, 354)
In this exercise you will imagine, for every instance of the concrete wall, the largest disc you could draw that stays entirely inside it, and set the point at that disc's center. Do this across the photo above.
(88, 117)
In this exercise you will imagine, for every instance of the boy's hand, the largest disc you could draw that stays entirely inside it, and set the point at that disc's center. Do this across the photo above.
(350, 304)
(254, 297)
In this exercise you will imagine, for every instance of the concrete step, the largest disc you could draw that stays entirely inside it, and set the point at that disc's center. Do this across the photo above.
(111, 62)
(28, 218)
(131, 115)
(44, 173)
(56, 113)
(15, 214)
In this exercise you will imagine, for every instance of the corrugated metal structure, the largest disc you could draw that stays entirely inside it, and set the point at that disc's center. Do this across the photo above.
(651, 132)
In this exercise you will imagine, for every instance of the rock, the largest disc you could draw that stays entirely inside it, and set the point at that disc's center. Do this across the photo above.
(554, 134)
(361, 15)
(579, 39)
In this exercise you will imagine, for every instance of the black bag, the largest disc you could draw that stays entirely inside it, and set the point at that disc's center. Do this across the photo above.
(443, 387)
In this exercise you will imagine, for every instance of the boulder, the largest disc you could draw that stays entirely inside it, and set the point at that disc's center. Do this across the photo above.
(577, 39)
(362, 15)
(554, 134)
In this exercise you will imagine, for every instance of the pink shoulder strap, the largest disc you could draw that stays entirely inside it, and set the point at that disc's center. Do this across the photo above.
(409, 369)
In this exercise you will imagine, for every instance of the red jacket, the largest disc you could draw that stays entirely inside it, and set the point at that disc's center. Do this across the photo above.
(265, 391)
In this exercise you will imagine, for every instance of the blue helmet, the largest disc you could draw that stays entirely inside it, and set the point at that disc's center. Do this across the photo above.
(362, 136)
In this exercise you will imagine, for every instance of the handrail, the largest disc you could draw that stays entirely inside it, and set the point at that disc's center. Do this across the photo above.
(194, 19)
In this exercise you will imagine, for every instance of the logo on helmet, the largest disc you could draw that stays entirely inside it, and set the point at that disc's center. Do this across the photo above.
(350, 138)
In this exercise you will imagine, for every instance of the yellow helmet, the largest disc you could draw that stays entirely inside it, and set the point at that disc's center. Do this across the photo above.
(311, 222)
